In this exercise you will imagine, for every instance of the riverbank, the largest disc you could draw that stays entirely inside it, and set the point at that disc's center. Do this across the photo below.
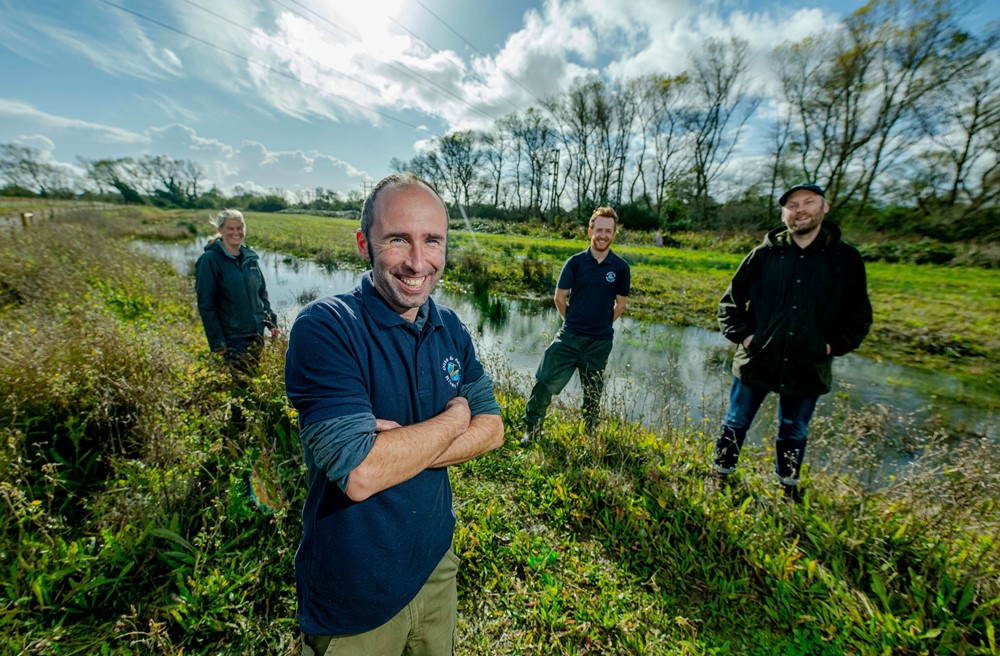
(127, 527)
(935, 317)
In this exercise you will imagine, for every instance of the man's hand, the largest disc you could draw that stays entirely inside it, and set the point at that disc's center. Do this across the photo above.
(746, 342)
(458, 410)
(402, 452)
(382, 425)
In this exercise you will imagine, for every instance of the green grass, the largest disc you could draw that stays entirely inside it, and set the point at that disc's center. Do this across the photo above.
(937, 317)
(126, 528)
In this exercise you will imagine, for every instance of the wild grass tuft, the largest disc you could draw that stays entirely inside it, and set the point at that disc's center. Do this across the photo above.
(126, 527)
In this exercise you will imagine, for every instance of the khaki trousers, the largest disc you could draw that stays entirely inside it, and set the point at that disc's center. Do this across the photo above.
(425, 627)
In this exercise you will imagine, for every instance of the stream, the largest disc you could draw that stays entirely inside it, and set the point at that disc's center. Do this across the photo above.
(656, 372)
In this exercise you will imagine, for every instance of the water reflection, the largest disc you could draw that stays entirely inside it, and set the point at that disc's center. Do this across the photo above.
(657, 373)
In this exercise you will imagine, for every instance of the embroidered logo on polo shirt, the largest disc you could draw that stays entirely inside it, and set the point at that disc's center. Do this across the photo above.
(452, 370)
(610, 276)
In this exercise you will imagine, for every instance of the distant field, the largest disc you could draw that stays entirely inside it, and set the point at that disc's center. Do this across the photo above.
(938, 317)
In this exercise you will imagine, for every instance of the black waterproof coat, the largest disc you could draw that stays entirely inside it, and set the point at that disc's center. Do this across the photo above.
(795, 302)
(232, 296)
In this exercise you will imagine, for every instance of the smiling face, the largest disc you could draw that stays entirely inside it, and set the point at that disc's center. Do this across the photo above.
(406, 245)
(803, 213)
(233, 232)
(601, 234)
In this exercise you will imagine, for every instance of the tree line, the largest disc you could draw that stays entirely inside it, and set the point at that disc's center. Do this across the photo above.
(895, 111)
(151, 179)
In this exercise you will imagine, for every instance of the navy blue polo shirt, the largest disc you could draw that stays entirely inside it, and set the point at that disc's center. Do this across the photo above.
(360, 563)
(593, 287)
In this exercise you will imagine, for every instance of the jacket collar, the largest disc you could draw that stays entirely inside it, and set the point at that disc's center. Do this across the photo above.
(245, 251)
(779, 238)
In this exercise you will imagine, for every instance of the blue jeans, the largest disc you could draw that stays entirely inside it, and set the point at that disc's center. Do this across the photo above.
(794, 413)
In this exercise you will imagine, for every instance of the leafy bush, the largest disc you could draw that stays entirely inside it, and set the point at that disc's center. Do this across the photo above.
(638, 217)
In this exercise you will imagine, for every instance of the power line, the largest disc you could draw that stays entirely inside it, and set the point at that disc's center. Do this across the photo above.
(264, 65)
(250, 31)
(481, 53)
(406, 70)
(421, 40)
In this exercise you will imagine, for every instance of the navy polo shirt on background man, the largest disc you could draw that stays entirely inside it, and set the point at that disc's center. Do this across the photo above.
(594, 287)
(352, 359)
(590, 294)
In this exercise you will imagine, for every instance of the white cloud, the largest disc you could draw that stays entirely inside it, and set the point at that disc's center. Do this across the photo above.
(129, 52)
(171, 106)
(250, 163)
(346, 63)
(291, 169)
(28, 115)
(172, 61)
(182, 142)
(39, 142)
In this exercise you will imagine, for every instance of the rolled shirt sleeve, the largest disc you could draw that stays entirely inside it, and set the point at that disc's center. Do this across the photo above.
(339, 445)
(479, 394)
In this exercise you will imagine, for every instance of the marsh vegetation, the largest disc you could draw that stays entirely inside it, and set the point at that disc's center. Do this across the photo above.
(127, 527)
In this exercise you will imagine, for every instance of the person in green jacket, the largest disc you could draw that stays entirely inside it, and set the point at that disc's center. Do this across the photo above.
(795, 302)
(232, 296)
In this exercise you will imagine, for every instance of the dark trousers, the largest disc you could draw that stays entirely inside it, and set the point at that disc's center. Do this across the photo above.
(242, 356)
(568, 353)
(243, 353)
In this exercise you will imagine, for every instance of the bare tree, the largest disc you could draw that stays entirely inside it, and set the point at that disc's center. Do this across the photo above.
(620, 136)
(660, 114)
(577, 115)
(512, 124)
(962, 165)
(862, 96)
(169, 181)
(23, 166)
(461, 160)
(920, 48)
(534, 142)
(722, 103)
(822, 83)
(780, 135)
(428, 166)
(496, 147)
(114, 174)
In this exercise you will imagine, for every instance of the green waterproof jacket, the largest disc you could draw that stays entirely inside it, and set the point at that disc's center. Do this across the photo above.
(795, 302)
(232, 296)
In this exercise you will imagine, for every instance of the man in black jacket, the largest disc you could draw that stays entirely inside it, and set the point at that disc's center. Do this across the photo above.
(796, 301)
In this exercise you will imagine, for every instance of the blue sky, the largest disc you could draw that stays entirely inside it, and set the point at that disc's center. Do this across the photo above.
(304, 93)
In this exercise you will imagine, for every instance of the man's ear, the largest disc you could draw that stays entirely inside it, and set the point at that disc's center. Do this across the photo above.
(362, 244)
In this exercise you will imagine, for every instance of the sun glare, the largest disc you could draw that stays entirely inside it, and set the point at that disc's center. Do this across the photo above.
(369, 18)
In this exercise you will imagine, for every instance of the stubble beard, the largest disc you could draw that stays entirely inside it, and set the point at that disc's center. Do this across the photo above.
(805, 229)
(386, 285)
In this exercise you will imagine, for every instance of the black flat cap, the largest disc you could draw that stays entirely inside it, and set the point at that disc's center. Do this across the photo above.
(816, 189)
